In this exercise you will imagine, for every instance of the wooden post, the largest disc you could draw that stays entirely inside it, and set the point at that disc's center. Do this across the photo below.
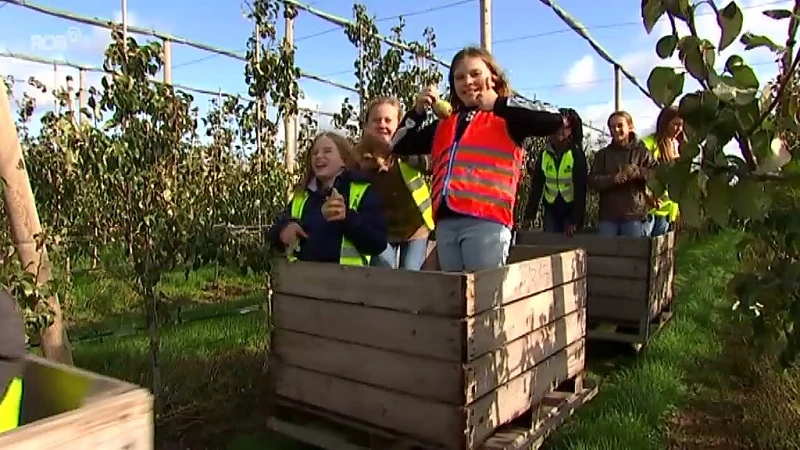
(20, 208)
(259, 100)
(617, 89)
(486, 25)
(125, 26)
(290, 120)
(81, 94)
(167, 49)
(55, 88)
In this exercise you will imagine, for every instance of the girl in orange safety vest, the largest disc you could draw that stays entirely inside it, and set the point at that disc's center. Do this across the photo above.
(477, 159)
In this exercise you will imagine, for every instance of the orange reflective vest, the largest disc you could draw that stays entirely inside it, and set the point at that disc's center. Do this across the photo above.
(478, 174)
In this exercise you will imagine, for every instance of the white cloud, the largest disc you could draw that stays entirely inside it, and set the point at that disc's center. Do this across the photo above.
(581, 75)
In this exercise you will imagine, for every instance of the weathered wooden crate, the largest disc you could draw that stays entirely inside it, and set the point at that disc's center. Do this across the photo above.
(437, 359)
(65, 407)
(630, 281)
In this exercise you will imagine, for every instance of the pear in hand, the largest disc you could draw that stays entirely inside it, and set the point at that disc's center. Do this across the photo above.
(442, 108)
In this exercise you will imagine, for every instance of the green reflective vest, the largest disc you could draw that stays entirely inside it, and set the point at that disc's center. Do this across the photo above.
(558, 180)
(349, 255)
(668, 207)
(419, 192)
(10, 406)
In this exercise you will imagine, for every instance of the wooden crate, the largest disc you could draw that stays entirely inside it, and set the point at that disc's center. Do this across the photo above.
(630, 281)
(439, 359)
(65, 407)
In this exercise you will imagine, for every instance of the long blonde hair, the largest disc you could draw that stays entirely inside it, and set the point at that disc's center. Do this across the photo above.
(666, 144)
(501, 84)
(345, 152)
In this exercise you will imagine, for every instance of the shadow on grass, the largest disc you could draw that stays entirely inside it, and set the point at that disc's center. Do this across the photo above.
(213, 379)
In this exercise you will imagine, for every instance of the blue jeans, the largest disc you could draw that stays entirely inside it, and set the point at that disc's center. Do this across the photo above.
(408, 255)
(657, 225)
(628, 228)
(468, 244)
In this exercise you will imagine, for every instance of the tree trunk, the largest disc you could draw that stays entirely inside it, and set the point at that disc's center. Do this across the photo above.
(20, 207)
(151, 315)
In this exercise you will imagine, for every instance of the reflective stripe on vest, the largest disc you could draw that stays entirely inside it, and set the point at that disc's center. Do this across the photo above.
(668, 207)
(478, 174)
(11, 405)
(419, 192)
(558, 180)
(348, 255)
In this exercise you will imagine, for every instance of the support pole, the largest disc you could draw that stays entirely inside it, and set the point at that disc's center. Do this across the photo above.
(290, 119)
(617, 89)
(486, 25)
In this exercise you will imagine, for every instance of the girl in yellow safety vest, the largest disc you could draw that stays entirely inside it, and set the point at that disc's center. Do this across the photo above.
(12, 353)
(334, 215)
(400, 184)
(561, 174)
(664, 144)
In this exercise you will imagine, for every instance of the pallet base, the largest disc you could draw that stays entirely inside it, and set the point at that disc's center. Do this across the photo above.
(333, 432)
(637, 335)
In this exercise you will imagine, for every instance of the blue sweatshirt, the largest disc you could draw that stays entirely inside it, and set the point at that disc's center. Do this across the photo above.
(365, 228)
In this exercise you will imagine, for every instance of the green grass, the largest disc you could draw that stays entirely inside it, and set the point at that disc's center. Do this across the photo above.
(637, 401)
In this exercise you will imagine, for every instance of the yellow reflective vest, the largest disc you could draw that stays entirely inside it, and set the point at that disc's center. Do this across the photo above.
(558, 180)
(349, 255)
(668, 207)
(419, 192)
(10, 406)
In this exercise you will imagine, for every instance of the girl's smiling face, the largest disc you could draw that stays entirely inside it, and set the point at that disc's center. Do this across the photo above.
(383, 121)
(326, 160)
(620, 129)
(471, 76)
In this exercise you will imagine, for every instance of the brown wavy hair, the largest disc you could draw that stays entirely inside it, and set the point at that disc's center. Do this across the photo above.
(344, 147)
(501, 84)
(667, 152)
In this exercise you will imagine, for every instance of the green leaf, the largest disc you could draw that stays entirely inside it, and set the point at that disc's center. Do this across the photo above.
(719, 195)
(761, 144)
(665, 85)
(678, 8)
(752, 41)
(733, 61)
(689, 200)
(690, 108)
(748, 114)
(689, 151)
(745, 77)
(777, 14)
(652, 10)
(691, 57)
(750, 200)
(730, 20)
(665, 46)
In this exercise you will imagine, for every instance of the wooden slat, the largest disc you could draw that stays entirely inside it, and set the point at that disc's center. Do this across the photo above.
(616, 309)
(428, 378)
(514, 398)
(594, 244)
(618, 288)
(619, 267)
(531, 274)
(498, 367)
(436, 337)
(433, 293)
(423, 419)
(491, 330)
(122, 422)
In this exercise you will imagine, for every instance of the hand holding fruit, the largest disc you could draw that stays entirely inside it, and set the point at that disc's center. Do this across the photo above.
(334, 208)
(426, 99)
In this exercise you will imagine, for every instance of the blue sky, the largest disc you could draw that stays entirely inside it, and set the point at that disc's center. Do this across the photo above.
(543, 57)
